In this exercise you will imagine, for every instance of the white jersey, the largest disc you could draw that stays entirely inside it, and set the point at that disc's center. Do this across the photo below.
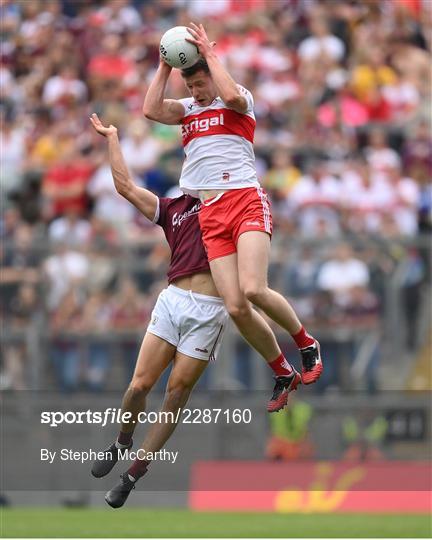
(218, 143)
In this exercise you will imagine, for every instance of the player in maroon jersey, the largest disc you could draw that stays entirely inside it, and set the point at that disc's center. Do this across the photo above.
(217, 124)
(186, 325)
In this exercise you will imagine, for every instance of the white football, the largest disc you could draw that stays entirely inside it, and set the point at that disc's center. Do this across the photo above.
(176, 51)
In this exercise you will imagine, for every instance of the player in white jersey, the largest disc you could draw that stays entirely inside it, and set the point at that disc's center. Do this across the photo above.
(218, 143)
(218, 126)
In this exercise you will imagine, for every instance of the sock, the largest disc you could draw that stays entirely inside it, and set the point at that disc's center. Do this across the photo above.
(280, 366)
(123, 440)
(137, 469)
(303, 339)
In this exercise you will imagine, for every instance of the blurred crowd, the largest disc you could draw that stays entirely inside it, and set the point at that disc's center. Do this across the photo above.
(343, 143)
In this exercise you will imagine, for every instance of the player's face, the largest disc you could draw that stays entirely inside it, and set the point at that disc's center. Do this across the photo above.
(201, 88)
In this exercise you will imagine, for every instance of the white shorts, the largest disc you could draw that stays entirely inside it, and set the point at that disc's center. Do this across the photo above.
(192, 322)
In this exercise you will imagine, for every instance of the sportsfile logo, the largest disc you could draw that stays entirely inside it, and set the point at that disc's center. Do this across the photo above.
(178, 219)
(202, 125)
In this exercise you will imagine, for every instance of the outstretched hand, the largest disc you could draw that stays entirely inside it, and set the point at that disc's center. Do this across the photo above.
(100, 128)
(200, 39)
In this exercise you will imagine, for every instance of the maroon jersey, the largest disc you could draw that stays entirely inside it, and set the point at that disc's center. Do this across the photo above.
(179, 220)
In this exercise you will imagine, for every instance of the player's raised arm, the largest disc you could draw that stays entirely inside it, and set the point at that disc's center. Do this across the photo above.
(156, 107)
(225, 84)
(143, 199)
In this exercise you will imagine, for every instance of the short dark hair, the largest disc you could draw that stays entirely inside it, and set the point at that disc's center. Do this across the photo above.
(201, 65)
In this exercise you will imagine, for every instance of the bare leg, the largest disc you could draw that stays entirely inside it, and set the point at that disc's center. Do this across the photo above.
(184, 375)
(251, 324)
(154, 356)
(253, 255)
(253, 250)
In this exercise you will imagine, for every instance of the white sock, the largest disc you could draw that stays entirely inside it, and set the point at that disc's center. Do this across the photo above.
(121, 446)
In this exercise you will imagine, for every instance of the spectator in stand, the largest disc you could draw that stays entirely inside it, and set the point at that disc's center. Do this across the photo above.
(13, 155)
(130, 314)
(301, 282)
(66, 324)
(108, 206)
(316, 197)
(62, 269)
(20, 261)
(338, 147)
(47, 145)
(368, 80)
(95, 323)
(70, 229)
(412, 64)
(65, 183)
(64, 88)
(412, 278)
(110, 63)
(20, 253)
(417, 150)
(140, 149)
(406, 200)
(321, 45)
(130, 308)
(103, 265)
(102, 233)
(402, 97)
(301, 277)
(280, 90)
(362, 308)
(21, 310)
(342, 273)
(371, 73)
(282, 176)
(278, 181)
(9, 223)
(345, 280)
(378, 154)
(9, 90)
(10, 17)
(344, 109)
(119, 16)
(367, 197)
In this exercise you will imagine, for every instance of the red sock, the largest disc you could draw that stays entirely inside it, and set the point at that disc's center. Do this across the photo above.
(138, 468)
(124, 438)
(303, 339)
(280, 366)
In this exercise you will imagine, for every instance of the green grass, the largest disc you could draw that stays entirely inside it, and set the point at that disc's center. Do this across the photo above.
(147, 523)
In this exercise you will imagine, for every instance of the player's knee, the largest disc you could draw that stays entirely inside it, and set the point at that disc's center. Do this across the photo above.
(238, 311)
(141, 385)
(255, 293)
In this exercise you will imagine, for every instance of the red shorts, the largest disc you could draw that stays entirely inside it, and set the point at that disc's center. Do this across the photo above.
(236, 212)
